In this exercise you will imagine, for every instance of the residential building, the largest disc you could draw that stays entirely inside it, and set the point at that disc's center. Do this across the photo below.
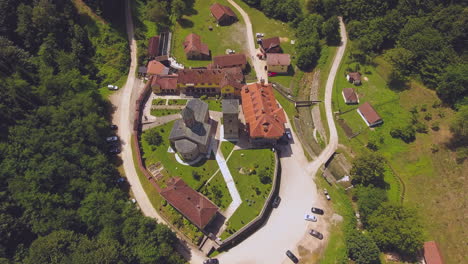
(264, 118)
(230, 118)
(432, 254)
(270, 45)
(229, 61)
(191, 204)
(194, 49)
(156, 68)
(164, 84)
(223, 14)
(226, 82)
(191, 135)
(354, 78)
(278, 62)
(369, 115)
(350, 96)
(153, 47)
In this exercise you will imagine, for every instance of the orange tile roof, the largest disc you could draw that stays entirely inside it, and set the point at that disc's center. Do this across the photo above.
(155, 67)
(192, 204)
(432, 253)
(264, 118)
(193, 43)
(219, 11)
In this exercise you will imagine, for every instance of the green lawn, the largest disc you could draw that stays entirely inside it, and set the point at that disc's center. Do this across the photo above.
(217, 191)
(164, 112)
(218, 40)
(431, 179)
(251, 190)
(214, 104)
(177, 101)
(159, 101)
(226, 148)
(205, 168)
(167, 211)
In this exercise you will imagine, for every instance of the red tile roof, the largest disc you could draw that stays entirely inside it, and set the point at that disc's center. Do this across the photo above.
(153, 46)
(193, 43)
(192, 204)
(264, 118)
(166, 82)
(369, 113)
(432, 254)
(271, 45)
(213, 76)
(231, 60)
(355, 76)
(278, 59)
(219, 11)
(155, 67)
(350, 95)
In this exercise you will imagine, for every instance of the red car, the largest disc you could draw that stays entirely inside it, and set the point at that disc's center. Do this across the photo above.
(271, 74)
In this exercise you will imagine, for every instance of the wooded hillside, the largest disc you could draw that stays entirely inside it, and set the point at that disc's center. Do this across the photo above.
(59, 197)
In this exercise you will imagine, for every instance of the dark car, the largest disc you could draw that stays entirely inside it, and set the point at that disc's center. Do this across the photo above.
(317, 211)
(115, 150)
(114, 127)
(211, 261)
(316, 234)
(276, 202)
(291, 256)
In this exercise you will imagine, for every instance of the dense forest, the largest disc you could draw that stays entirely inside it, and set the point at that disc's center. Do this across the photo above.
(59, 197)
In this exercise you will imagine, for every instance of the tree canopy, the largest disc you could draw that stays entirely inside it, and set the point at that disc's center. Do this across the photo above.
(368, 168)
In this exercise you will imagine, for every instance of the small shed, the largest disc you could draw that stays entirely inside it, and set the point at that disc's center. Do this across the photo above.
(350, 96)
(223, 14)
(369, 115)
(354, 78)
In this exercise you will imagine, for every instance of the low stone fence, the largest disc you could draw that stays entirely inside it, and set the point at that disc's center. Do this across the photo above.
(260, 220)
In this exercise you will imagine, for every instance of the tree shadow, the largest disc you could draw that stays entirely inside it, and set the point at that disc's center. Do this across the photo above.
(186, 23)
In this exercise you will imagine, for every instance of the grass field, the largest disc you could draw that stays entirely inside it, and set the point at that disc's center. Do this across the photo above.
(164, 112)
(205, 168)
(217, 191)
(226, 148)
(177, 102)
(432, 179)
(218, 40)
(214, 104)
(252, 191)
(158, 101)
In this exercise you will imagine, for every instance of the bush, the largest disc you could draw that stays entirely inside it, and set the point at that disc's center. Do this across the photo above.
(264, 177)
(435, 126)
(203, 97)
(407, 134)
(428, 116)
(362, 248)
(421, 128)
(196, 175)
(153, 137)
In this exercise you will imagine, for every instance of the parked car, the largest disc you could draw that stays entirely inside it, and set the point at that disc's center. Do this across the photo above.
(291, 256)
(112, 139)
(115, 150)
(309, 217)
(114, 127)
(211, 261)
(316, 234)
(112, 87)
(316, 210)
(259, 35)
(325, 191)
(328, 197)
(288, 134)
(121, 180)
(272, 74)
(276, 202)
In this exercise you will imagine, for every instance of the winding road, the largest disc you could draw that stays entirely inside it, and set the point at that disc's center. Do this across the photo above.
(286, 228)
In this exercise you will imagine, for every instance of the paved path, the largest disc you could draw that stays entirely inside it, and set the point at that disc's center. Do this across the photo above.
(286, 228)
(259, 65)
(236, 199)
(123, 118)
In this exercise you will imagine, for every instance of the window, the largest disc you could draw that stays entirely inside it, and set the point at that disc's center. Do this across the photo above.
(230, 120)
